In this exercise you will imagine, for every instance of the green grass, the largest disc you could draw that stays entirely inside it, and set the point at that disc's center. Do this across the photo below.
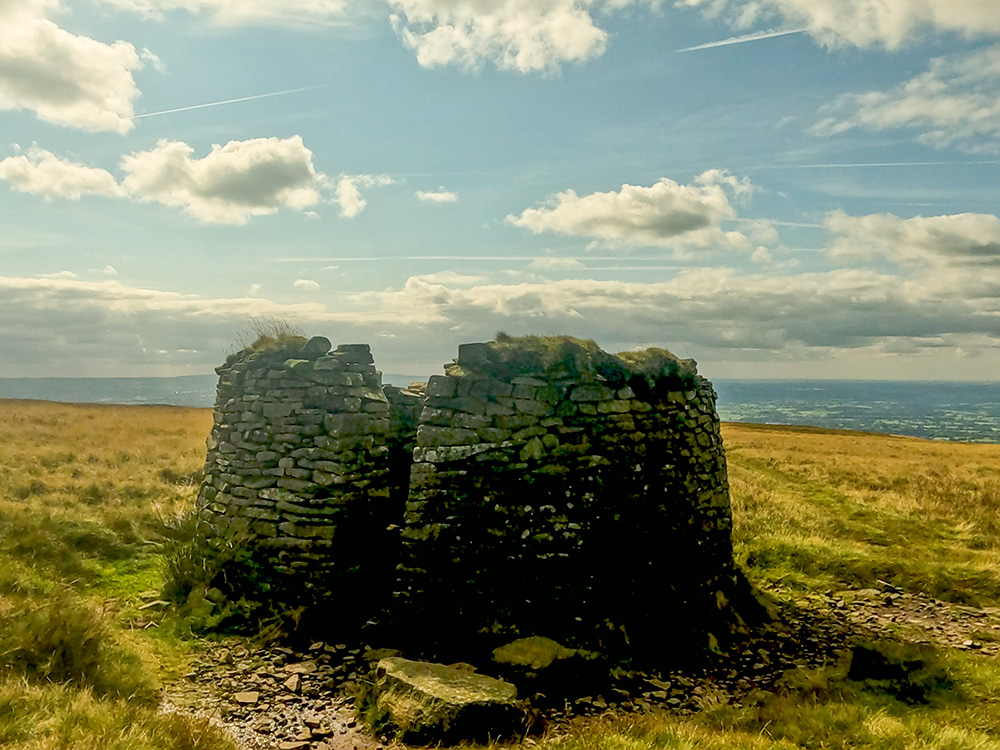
(818, 511)
(86, 492)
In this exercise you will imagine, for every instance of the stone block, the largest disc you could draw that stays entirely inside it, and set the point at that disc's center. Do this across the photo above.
(497, 409)
(614, 407)
(515, 422)
(326, 364)
(315, 347)
(534, 450)
(591, 392)
(334, 377)
(297, 485)
(355, 424)
(493, 434)
(473, 356)
(532, 382)
(298, 530)
(275, 411)
(430, 435)
(470, 421)
(432, 703)
(532, 407)
(447, 453)
(441, 386)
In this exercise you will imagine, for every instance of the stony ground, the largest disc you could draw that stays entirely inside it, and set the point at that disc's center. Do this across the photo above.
(278, 699)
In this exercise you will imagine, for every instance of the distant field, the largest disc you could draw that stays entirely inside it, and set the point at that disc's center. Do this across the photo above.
(85, 492)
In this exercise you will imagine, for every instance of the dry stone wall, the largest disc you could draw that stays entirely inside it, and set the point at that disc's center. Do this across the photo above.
(538, 487)
(584, 500)
(298, 465)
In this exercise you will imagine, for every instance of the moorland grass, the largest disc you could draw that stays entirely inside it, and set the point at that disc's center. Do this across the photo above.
(820, 511)
(85, 493)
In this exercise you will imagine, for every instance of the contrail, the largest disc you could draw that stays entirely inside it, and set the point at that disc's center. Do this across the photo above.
(226, 101)
(744, 38)
(461, 258)
(874, 164)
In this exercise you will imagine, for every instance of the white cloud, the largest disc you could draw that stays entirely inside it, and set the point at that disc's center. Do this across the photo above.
(58, 275)
(741, 187)
(148, 57)
(109, 270)
(255, 290)
(522, 35)
(43, 173)
(437, 196)
(253, 12)
(306, 284)
(935, 242)
(348, 191)
(64, 78)
(861, 23)
(229, 185)
(667, 214)
(955, 102)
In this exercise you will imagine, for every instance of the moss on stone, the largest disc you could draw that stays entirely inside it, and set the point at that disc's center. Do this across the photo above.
(278, 347)
(536, 652)
(570, 357)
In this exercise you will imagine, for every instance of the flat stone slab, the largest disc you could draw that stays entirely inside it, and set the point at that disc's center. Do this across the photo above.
(428, 702)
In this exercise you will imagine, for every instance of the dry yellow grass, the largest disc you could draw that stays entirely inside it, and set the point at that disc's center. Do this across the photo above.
(822, 508)
(83, 491)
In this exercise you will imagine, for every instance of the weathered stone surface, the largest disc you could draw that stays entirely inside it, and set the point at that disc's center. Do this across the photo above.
(315, 347)
(429, 435)
(434, 703)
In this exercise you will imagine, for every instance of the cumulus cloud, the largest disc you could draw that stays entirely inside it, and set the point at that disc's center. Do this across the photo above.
(254, 12)
(665, 214)
(307, 285)
(437, 196)
(231, 183)
(64, 78)
(521, 35)
(43, 173)
(955, 102)
(957, 240)
(861, 23)
(348, 191)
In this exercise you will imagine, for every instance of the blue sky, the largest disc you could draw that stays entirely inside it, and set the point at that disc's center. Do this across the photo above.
(778, 188)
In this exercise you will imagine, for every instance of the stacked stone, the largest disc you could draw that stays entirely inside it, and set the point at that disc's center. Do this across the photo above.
(585, 507)
(297, 468)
